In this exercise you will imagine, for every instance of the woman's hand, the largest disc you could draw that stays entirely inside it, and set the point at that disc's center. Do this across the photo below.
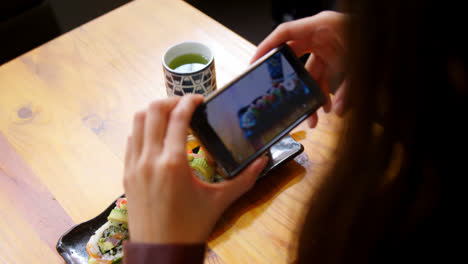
(166, 202)
(322, 36)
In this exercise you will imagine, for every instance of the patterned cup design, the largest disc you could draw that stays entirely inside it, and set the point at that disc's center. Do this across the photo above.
(202, 81)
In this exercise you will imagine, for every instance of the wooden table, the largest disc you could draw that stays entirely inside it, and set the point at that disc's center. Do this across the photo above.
(66, 109)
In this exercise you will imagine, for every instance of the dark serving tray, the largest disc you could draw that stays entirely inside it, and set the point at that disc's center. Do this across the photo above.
(72, 245)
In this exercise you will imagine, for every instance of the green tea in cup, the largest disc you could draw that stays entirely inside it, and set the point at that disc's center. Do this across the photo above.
(189, 62)
(189, 68)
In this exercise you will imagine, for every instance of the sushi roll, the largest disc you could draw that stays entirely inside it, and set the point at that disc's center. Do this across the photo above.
(254, 108)
(249, 118)
(106, 245)
(201, 167)
(277, 92)
(269, 99)
(261, 104)
(289, 85)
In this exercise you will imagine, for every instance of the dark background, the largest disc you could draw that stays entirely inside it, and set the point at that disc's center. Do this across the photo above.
(26, 24)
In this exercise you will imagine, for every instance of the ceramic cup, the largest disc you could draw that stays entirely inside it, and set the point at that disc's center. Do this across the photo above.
(200, 79)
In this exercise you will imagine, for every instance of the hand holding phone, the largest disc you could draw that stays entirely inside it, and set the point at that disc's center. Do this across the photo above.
(166, 203)
(243, 119)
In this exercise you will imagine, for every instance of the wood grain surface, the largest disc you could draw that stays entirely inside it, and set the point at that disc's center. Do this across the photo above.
(66, 108)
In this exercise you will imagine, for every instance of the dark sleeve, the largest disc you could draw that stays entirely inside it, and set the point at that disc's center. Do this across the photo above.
(163, 253)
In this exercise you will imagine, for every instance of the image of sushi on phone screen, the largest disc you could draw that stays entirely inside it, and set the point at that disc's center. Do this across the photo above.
(258, 107)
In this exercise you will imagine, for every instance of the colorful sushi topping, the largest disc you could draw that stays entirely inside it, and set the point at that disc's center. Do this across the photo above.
(202, 167)
(279, 93)
(106, 245)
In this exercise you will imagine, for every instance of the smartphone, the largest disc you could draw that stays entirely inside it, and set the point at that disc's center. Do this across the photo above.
(239, 122)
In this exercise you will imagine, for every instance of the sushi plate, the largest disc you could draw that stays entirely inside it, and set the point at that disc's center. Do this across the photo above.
(72, 244)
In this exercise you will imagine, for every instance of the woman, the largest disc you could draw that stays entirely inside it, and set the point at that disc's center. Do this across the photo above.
(405, 85)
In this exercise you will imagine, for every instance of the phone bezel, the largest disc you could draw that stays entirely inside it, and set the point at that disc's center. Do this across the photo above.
(214, 145)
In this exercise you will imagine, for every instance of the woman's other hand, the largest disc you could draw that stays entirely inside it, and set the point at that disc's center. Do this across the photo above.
(322, 36)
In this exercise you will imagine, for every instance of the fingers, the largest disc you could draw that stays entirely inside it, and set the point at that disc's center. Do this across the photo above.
(300, 47)
(294, 30)
(319, 71)
(283, 33)
(316, 68)
(312, 120)
(338, 102)
(128, 153)
(325, 85)
(234, 188)
(179, 123)
(137, 134)
(299, 29)
(128, 162)
(156, 123)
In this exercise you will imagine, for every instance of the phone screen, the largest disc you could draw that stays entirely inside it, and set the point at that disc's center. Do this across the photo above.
(261, 105)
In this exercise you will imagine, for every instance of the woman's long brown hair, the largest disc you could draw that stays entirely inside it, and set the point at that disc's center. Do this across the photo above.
(407, 90)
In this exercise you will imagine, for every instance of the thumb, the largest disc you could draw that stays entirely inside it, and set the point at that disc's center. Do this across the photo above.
(317, 68)
(240, 184)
